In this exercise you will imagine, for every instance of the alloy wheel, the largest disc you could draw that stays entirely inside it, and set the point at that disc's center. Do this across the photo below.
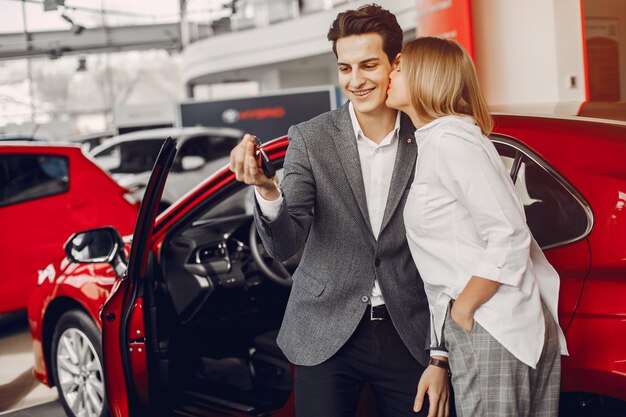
(80, 374)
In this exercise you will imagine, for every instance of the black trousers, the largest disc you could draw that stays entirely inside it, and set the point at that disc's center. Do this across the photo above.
(374, 355)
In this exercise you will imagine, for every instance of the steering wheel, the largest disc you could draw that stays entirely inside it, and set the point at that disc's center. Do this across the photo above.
(275, 271)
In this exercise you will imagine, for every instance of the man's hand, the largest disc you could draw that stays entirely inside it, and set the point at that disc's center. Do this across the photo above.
(245, 166)
(435, 383)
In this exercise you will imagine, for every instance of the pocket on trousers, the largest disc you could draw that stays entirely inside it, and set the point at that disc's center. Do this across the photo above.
(456, 325)
(457, 340)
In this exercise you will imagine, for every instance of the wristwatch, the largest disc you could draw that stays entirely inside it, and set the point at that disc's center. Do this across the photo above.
(439, 363)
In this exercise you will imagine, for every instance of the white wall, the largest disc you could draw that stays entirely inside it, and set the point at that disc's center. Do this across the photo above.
(526, 51)
(569, 50)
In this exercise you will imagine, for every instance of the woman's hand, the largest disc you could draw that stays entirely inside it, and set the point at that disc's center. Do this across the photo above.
(477, 292)
(462, 316)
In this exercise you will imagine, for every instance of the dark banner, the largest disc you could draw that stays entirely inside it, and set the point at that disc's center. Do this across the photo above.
(267, 117)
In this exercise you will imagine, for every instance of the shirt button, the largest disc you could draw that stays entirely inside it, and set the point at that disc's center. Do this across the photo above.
(365, 299)
(377, 262)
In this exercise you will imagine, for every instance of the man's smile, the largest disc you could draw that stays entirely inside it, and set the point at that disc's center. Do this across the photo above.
(360, 93)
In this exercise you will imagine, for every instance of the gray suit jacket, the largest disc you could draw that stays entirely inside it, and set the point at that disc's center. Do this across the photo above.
(325, 210)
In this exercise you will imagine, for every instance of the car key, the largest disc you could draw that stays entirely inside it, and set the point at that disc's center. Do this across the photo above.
(263, 160)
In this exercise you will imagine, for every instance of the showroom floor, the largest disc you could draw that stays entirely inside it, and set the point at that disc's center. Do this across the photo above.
(20, 393)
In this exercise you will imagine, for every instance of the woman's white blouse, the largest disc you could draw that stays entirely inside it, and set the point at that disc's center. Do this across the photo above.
(463, 217)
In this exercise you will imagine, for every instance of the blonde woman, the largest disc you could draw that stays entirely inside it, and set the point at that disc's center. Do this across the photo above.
(491, 292)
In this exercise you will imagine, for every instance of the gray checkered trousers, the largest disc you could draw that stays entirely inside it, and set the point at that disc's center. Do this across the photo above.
(489, 381)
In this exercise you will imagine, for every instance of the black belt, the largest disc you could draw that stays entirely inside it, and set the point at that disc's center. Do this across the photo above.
(378, 312)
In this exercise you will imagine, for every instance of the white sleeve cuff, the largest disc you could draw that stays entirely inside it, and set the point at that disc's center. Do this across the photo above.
(500, 273)
(438, 353)
(269, 208)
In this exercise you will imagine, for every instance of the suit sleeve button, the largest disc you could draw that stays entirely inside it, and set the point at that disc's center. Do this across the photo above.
(365, 298)
(377, 262)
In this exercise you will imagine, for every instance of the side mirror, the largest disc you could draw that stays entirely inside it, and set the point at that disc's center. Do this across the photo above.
(97, 246)
(192, 162)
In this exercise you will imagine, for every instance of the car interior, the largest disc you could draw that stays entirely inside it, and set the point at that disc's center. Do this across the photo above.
(218, 303)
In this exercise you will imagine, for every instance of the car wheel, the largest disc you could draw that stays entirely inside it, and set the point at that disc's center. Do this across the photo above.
(77, 365)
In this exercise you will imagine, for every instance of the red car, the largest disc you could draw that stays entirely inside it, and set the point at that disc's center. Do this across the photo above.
(189, 320)
(47, 193)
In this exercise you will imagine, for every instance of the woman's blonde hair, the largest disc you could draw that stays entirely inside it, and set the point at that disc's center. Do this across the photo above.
(442, 80)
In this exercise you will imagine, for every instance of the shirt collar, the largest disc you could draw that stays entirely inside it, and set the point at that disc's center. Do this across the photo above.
(439, 120)
(358, 132)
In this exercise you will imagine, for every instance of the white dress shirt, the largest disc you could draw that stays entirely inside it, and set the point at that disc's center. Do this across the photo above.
(463, 217)
(377, 162)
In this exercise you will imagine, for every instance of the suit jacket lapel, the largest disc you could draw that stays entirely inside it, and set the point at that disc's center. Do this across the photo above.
(349, 158)
(403, 168)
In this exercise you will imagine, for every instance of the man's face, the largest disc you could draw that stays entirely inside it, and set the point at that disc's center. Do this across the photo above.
(363, 71)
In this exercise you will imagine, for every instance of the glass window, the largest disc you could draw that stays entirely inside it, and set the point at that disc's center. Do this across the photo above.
(554, 215)
(26, 177)
(209, 148)
(221, 146)
(241, 202)
(130, 157)
(237, 203)
(509, 156)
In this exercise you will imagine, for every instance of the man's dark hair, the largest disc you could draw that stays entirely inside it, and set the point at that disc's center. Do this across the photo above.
(370, 18)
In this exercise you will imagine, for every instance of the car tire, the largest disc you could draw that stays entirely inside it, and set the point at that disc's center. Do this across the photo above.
(77, 365)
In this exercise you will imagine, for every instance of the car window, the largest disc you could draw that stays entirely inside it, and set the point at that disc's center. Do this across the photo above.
(510, 157)
(130, 157)
(553, 213)
(237, 203)
(221, 146)
(196, 146)
(25, 177)
(208, 147)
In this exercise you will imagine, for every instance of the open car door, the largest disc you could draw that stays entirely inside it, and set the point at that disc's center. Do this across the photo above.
(123, 335)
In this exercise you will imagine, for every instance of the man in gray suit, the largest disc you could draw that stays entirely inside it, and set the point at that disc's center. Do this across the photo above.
(357, 312)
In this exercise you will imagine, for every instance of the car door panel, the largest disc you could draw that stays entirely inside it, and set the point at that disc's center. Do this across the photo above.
(125, 371)
(557, 216)
(573, 262)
